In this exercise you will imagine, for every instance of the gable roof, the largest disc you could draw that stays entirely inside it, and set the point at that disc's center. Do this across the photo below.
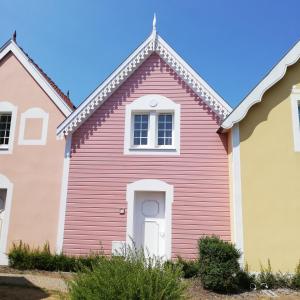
(62, 101)
(257, 93)
(154, 43)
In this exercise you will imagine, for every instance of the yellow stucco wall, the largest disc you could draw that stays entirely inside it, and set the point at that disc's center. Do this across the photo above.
(270, 174)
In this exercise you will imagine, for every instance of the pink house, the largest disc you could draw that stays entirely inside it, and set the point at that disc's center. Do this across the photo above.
(145, 160)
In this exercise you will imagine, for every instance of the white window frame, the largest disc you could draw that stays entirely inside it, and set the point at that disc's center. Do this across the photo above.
(7, 107)
(152, 105)
(34, 113)
(295, 101)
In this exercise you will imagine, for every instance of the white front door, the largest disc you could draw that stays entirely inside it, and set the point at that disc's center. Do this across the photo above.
(149, 222)
(2, 209)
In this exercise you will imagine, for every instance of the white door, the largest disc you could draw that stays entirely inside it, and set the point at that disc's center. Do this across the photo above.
(2, 208)
(149, 222)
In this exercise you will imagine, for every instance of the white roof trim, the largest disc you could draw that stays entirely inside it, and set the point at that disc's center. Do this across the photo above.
(35, 73)
(153, 43)
(257, 93)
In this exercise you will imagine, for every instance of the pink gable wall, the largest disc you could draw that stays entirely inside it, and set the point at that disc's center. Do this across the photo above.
(99, 171)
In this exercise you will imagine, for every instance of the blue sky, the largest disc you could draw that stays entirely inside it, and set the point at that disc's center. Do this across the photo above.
(232, 44)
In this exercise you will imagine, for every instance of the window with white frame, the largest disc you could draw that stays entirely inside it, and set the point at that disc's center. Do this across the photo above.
(152, 126)
(7, 126)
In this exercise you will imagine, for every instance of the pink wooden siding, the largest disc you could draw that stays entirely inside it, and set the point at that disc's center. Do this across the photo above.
(99, 171)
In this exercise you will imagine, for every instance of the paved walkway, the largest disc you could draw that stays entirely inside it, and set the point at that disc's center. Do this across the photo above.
(41, 281)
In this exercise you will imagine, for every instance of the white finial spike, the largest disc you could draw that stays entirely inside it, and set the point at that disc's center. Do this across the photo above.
(154, 23)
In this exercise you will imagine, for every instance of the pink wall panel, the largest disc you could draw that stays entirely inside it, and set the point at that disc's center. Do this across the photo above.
(99, 171)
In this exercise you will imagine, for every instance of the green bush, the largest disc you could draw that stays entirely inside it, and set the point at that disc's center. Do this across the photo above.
(219, 267)
(296, 277)
(22, 257)
(266, 279)
(131, 277)
(190, 268)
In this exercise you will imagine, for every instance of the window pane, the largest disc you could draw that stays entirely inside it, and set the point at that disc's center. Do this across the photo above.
(140, 135)
(5, 121)
(165, 125)
(160, 141)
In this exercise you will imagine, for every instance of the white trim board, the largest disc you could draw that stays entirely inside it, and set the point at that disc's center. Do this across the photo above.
(153, 44)
(11, 46)
(150, 185)
(237, 192)
(63, 196)
(257, 93)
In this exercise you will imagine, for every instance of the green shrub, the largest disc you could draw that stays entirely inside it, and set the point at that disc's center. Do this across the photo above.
(269, 280)
(131, 277)
(22, 257)
(296, 277)
(190, 268)
(219, 267)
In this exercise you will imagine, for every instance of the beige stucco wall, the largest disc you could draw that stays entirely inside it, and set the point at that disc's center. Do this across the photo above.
(270, 174)
(35, 171)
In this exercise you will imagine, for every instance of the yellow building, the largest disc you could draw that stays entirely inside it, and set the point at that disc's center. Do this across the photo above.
(265, 168)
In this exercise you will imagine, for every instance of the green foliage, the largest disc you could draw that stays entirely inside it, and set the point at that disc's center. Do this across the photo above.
(190, 268)
(266, 279)
(296, 277)
(22, 257)
(219, 266)
(132, 277)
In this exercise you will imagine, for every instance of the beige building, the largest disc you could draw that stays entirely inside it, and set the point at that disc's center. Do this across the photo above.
(31, 157)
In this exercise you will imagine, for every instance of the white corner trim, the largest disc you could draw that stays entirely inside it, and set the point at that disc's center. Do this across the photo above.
(35, 73)
(153, 43)
(257, 93)
(8, 107)
(237, 192)
(150, 185)
(295, 102)
(152, 104)
(34, 113)
(5, 184)
(63, 195)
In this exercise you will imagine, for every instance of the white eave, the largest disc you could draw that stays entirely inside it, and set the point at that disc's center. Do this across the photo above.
(11, 46)
(257, 93)
(154, 43)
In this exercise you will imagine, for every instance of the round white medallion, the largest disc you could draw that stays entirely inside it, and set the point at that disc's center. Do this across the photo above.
(153, 103)
(150, 208)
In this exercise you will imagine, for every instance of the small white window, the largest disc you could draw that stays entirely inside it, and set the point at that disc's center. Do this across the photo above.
(140, 131)
(152, 126)
(8, 113)
(5, 125)
(165, 129)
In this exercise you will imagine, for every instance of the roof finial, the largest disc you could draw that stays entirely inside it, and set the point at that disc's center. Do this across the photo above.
(14, 37)
(68, 93)
(154, 24)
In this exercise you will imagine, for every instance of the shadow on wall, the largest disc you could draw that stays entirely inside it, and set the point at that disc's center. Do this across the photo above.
(272, 97)
(18, 287)
(120, 97)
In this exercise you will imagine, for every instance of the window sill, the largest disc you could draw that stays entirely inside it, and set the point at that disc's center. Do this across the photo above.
(150, 151)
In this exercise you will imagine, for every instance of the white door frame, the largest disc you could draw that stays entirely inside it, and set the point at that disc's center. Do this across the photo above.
(150, 185)
(5, 183)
